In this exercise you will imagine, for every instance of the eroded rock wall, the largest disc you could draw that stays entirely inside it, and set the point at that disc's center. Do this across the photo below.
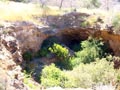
(11, 77)
(14, 41)
(79, 34)
(29, 37)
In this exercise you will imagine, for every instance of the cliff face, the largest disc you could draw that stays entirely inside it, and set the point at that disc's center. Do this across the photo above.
(11, 77)
(14, 41)
(112, 39)
(28, 36)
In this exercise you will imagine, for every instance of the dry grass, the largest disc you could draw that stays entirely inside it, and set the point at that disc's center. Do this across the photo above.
(12, 11)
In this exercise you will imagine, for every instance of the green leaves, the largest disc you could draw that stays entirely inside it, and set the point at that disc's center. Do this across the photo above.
(53, 76)
(91, 49)
(60, 51)
(62, 54)
(100, 71)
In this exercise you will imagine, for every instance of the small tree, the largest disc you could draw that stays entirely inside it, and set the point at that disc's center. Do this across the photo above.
(53, 76)
(91, 49)
(63, 55)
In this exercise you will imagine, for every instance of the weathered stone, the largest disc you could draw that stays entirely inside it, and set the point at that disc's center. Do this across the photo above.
(78, 34)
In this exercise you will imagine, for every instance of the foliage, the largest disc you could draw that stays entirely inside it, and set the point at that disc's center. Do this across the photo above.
(49, 42)
(91, 49)
(116, 23)
(85, 24)
(90, 21)
(28, 81)
(23, 12)
(53, 76)
(42, 52)
(60, 51)
(45, 46)
(86, 75)
(63, 55)
(27, 56)
(90, 3)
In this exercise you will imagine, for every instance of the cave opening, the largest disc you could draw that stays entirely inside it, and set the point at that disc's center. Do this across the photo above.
(74, 45)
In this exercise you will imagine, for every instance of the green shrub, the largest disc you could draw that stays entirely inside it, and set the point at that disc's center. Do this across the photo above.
(91, 49)
(53, 76)
(63, 55)
(59, 51)
(85, 75)
(28, 81)
(43, 52)
(45, 46)
(27, 56)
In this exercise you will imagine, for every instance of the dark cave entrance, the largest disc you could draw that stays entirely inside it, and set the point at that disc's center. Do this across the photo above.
(74, 44)
(73, 40)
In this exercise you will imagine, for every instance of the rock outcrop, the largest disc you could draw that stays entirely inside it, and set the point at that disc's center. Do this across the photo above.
(70, 35)
(28, 35)
(14, 41)
(72, 19)
(11, 77)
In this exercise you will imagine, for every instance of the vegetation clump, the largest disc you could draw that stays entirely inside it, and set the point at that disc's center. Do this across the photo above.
(100, 71)
(27, 56)
(53, 76)
(85, 75)
(63, 55)
(91, 49)
(87, 67)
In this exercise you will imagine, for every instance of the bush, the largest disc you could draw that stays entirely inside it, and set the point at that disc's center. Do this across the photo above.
(63, 55)
(90, 22)
(53, 76)
(91, 49)
(43, 52)
(60, 51)
(45, 46)
(85, 75)
(27, 81)
(27, 56)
